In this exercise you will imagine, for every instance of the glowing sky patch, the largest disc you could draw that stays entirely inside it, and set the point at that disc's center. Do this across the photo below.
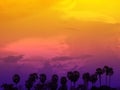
(45, 47)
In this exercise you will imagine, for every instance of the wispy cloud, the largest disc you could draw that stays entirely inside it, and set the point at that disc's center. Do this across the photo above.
(12, 58)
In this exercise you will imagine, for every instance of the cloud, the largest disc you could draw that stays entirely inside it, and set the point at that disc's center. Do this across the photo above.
(45, 47)
(12, 59)
(65, 58)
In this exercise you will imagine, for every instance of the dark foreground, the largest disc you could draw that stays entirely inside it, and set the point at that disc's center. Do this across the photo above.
(39, 82)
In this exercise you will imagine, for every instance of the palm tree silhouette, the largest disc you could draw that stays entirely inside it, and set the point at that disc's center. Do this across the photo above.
(106, 71)
(93, 79)
(70, 76)
(29, 84)
(111, 72)
(99, 72)
(76, 75)
(54, 82)
(63, 82)
(16, 79)
(42, 78)
(31, 80)
(86, 79)
(33, 77)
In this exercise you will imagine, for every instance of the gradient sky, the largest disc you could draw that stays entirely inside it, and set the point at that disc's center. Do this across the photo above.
(60, 33)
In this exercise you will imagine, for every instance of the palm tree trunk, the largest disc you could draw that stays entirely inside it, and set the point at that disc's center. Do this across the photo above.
(74, 84)
(109, 80)
(100, 80)
(106, 80)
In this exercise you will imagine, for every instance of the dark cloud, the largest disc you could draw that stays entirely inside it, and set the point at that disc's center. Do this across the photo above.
(64, 58)
(12, 58)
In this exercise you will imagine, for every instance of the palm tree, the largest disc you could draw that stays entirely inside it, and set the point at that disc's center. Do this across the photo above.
(16, 79)
(86, 79)
(54, 82)
(111, 72)
(70, 76)
(106, 71)
(33, 77)
(93, 79)
(42, 78)
(76, 75)
(31, 80)
(99, 72)
(29, 84)
(63, 82)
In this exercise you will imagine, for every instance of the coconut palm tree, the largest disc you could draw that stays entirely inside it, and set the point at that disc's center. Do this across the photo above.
(106, 71)
(86, 79)
(111, 72)
(16, 79)
(54, 82)
(29, 84)
(76, 76)
(70, 76)
(31, 80)
(99, 72)
(33, 77)
(93, 79)
(63, 82)
(42, 78)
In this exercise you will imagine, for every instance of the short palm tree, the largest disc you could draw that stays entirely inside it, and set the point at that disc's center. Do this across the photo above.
(63, 82)
(54, 82)
(70, 76)
(76, 76)
(86, 79)
(111, 72)
(42, 78)
(106, 71)
(16, 79)
(93, 79)
(99, 72)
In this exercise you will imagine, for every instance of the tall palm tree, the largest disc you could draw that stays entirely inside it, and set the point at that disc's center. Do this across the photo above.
(111, 72)
(42, 78)
(54, 82)
(16, 79)
(70, 76)
(63, 82)
(86, 79)
(99, 72)
(93, 79)
(106, 71)
(76, 75)
(31, 80)
(29, 84)
(33, 77)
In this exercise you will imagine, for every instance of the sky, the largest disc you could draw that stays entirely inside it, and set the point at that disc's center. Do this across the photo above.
(61, 34)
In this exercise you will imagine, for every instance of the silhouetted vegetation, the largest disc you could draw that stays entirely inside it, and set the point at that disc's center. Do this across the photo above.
(39, 81)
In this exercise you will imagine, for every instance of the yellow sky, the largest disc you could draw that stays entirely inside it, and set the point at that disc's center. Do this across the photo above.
(96, 10)
(95, 19)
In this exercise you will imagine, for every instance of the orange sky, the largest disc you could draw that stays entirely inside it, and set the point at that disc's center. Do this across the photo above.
(87, 25)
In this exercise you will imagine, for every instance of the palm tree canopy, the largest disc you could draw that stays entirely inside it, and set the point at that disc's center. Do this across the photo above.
(106, 70)
(55, 78)
(43, 78)
(16, 78)
(111, 72)
(63, 80)
(99, 71)
(70, 76)
(93, 78)
(86, 77)
(76, 75)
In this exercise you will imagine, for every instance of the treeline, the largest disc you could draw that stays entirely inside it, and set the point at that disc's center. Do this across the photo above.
(39, 81)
